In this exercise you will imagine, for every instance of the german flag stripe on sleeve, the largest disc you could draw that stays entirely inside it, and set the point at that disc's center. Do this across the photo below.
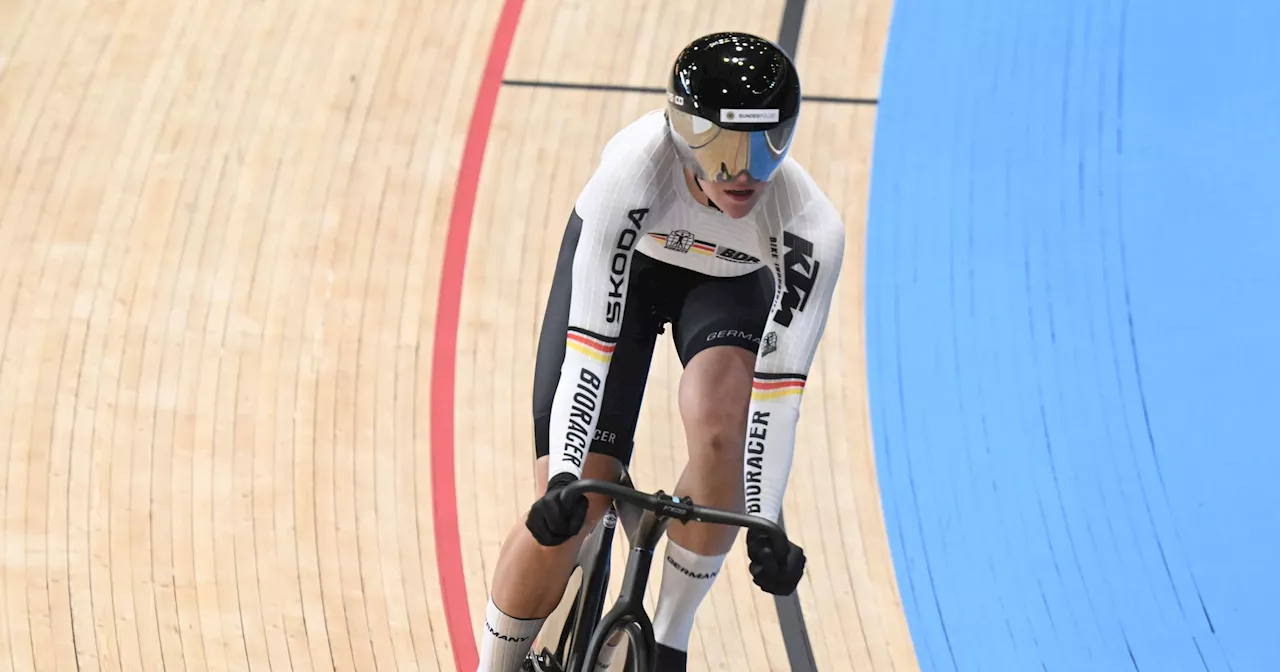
(767, 387)
(595, 346)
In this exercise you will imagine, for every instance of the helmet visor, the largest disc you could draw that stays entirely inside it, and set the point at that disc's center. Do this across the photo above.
(721, 155)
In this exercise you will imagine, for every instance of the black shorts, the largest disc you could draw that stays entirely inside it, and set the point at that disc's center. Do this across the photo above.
(704, 311)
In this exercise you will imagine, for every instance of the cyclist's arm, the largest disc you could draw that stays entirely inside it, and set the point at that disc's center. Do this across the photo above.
(601, 266)
(812, 252)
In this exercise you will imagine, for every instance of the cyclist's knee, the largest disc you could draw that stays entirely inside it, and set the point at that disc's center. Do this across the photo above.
(715, 393)
(596, 467)
(603, 468)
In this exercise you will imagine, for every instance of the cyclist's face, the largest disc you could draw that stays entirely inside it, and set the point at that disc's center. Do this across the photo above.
(735, 198)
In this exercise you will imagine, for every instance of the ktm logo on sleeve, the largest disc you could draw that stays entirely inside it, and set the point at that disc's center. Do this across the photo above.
(799, 273)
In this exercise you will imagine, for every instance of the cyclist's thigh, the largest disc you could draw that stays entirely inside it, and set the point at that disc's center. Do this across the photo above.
(628, 368)
(724, 311)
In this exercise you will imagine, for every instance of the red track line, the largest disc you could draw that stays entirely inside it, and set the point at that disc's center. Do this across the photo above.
(453, 588)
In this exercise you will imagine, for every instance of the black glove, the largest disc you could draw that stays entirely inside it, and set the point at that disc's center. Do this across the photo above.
(775, 570)
(554, 521)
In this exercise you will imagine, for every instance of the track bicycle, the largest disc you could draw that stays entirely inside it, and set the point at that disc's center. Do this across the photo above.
(645, 518)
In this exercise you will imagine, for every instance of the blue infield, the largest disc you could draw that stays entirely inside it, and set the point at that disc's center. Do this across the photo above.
(1074, 332)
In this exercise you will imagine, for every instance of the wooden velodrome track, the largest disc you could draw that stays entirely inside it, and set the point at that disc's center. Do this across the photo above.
(271, 275)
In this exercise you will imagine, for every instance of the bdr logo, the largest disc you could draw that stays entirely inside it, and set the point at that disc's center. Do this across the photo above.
(730, 254)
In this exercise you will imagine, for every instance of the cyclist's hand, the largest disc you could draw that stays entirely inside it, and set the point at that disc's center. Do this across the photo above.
(553, 520)
(775, 570)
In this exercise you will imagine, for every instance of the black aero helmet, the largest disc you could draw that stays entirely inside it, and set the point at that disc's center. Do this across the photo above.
(732, 104)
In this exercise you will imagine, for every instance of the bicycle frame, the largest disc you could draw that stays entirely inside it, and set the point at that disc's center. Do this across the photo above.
(589, 603)
(628, 612)
(585, 640)
(589, 631)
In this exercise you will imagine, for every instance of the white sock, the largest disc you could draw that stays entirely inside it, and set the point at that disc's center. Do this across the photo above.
(686, 579)
(505, 641)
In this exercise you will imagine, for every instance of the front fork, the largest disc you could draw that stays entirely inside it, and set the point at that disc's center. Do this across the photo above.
(628, 613)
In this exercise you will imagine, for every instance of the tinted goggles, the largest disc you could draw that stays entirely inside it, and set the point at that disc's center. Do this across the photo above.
(722, 155)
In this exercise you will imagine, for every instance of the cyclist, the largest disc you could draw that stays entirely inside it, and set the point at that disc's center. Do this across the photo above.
(697, 218)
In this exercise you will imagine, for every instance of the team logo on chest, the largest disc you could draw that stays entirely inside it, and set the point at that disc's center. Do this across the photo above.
(684, 242)
(680, 241)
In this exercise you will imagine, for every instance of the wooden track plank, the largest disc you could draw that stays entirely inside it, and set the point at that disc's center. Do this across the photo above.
(377, 441)
(162, 334)
(411, 93)
(356, 408)
(65, 345)
(470, 509)
(630, 44)
(29, 79)
(11, 571)
(342, 586)
(842, 45)
(146, 195)
(437, 150)
(308, 281)
(387, 436)
(238, 343)
(269, 578)
(361, 347)
(15, 28)
(240, 215)
(239, 334)
(63, 257)
(200, 556)
(237, 214)
(336, 473)
(275, 484)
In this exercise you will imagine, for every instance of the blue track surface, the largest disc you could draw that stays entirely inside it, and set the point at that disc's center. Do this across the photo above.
(1074, 332)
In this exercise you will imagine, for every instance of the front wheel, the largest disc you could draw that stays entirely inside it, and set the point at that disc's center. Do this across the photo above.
(619, 648)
